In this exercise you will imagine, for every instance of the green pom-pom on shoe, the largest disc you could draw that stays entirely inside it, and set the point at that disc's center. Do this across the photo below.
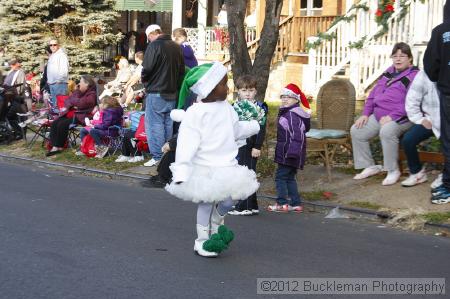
(215, 244)
(226, 234)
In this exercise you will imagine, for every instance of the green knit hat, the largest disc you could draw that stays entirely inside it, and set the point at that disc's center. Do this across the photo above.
(201, 80)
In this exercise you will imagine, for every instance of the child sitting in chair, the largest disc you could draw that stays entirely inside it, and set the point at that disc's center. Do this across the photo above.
(110, 115)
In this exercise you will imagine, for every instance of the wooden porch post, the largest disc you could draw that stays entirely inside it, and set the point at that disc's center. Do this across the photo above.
(201, 21)
(177, 14)
(260, 13)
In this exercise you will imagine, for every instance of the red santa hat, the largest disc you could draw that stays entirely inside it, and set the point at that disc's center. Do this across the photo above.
(293, 91)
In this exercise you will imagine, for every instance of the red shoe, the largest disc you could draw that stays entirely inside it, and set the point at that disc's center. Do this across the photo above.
(296, 209)
(278, 208)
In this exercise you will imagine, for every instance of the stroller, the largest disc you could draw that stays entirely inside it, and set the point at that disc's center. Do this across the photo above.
(11, 105)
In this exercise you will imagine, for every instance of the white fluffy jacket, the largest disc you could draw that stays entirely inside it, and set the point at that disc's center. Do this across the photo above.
(422, 102)
(207, 137)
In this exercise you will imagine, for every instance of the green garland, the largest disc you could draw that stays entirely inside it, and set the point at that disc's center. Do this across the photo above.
(321, 36)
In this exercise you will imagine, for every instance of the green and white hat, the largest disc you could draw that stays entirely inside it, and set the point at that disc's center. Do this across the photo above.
(201, 80)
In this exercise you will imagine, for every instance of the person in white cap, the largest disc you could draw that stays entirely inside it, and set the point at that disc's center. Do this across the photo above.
(205, 170)
(162, 73)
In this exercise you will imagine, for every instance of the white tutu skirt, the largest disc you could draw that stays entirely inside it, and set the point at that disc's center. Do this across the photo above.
(213, 184)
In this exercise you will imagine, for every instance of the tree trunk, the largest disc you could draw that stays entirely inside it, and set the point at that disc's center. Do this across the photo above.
(239, 56)
(241, 63)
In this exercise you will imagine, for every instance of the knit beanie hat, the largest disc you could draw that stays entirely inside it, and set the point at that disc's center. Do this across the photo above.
(293, 91)
(201, 80)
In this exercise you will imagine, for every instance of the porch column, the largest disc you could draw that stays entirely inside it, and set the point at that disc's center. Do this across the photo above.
(201, 21)
(177, 14)
(132, 41)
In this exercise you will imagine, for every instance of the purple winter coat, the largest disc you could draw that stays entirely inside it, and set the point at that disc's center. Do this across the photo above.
(110, 117)
(389, 94)
(293, 123)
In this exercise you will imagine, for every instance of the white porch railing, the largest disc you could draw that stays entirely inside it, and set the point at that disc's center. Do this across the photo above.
(368, 63)
(214, 45)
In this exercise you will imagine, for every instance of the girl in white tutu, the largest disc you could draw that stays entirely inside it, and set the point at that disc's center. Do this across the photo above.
(205, 169)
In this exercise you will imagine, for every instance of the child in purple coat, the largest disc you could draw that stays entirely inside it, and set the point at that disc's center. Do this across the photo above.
(111, 116)
(290, 151)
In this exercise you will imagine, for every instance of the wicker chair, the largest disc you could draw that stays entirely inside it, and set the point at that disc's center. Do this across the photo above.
(335, 111)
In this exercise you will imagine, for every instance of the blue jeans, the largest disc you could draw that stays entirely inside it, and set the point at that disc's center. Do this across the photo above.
(286, 185)
(410, 141)
(57, 89)
(158, 124)
(94, 133)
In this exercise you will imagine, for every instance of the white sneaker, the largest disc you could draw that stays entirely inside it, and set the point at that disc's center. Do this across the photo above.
(368, 172)
(437, 182)
(123, 158)
(79, 153)
(136, 159)
(151, 162)
(391, 178)
(415, 179)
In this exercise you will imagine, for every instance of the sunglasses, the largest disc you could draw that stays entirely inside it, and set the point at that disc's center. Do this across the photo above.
(53, 45)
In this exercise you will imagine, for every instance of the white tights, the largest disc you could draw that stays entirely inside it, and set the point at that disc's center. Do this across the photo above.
(204, 210)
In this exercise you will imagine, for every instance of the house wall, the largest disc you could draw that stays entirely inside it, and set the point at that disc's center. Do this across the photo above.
(333, 7)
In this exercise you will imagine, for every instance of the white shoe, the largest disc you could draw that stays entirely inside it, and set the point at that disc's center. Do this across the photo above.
(136, 159)
(151, 162)
(368, 172)
(123, 158)
(391, 178)
(202, 236)
(437, 182)
(79, 153)
(415, 179)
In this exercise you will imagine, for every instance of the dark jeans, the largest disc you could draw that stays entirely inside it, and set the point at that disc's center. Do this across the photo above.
(445, 137)
(410, 141)
(59, 131)
(286, 185)
(95, 134)
(245, 158)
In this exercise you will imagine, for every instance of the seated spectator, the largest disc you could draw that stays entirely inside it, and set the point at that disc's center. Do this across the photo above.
(134, 84)
(77, 107)
(384, 115)
(117, 85)
(134, 140)
(179, 35)
(422, 107)
(110, 115)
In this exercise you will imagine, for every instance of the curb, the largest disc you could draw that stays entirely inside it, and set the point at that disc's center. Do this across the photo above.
(382, 215)
(80, 168)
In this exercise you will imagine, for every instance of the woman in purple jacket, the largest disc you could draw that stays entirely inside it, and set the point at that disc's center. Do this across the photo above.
(110, 120)
(384, 115)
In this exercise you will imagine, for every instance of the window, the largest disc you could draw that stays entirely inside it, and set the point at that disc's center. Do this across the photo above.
(311, 7)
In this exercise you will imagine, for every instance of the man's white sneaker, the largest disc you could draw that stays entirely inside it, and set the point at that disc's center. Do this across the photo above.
(437, 182)
(136, 159)
(151, 162)
(415, 179)
(122, 158)
(391, 178)
(368, 172)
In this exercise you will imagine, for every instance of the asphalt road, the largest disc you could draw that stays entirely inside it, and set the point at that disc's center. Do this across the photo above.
(64, 236)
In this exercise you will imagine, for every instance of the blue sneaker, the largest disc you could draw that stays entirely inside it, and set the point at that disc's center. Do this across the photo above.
(438, 190)
(441, 198)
